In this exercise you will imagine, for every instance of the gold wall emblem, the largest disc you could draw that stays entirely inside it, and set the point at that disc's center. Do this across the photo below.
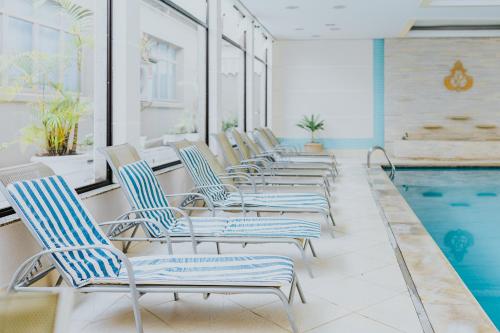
(458, 80)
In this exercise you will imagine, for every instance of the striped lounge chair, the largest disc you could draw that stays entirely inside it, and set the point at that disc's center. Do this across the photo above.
(147, 198)
(273, 140)
(88, 262)
(263, 139)
(251, 150)
(228, 197)
(262, 171)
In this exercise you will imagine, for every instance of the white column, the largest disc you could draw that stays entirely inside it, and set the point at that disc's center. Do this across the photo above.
(126, 72)
(214, 66)
(250, 76)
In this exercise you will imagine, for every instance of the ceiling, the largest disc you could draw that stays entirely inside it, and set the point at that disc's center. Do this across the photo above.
(367, 19)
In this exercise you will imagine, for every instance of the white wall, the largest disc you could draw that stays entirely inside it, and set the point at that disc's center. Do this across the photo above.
(331, 78)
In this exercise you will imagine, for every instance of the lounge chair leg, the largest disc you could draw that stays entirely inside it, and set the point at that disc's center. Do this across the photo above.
(305, 259)
(299, 290)
(176, 296)
(218, 247)
(331, 218)
(59, 281)
(137, 312)
(288, 310)
(292, 291)
(313, 250)
(127, 244)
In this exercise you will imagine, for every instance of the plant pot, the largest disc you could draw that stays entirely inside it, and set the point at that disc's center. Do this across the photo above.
(313, 147)
(77, 169)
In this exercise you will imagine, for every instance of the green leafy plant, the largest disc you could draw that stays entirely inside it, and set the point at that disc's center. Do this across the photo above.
(58, 119)
(229, 124)
(58, 111)
(312, 124)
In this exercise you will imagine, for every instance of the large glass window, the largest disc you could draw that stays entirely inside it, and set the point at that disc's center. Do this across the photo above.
(172, 80)
(53, 84)
(232, 86)
(259, 94)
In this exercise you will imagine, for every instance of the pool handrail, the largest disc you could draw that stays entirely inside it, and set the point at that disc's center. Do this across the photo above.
(369, 155)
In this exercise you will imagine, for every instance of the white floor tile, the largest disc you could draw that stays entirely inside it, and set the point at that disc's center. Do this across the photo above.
(397, 312)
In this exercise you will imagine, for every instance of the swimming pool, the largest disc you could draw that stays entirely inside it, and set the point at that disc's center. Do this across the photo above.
(460, 208)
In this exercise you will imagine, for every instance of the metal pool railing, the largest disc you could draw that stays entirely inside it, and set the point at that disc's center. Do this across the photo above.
(369, 156)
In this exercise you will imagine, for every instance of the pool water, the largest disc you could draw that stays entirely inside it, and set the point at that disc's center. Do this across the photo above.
(460, 208)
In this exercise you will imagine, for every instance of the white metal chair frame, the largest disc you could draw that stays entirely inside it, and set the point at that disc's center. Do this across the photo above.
(194, 238)
(326, 213)
(18, 282)
(263, 172)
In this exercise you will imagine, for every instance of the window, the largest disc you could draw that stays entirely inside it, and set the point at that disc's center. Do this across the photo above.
(158, 70)
(232, 86)
(173, 71)
(53, 86)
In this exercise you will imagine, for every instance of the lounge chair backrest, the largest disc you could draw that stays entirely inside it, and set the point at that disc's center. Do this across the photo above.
(244, 150)
(202, 173)
(55, 215)
(271, 136)
(145, 192)
(254, 148)
(142, 189)
(262, 140)
(226, 147)
(120, 155)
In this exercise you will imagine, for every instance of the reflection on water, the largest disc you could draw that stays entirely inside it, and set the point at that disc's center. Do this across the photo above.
(458, 241)
(461, 211)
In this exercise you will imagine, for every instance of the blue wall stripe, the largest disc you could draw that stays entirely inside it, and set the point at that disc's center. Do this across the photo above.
(378, 110)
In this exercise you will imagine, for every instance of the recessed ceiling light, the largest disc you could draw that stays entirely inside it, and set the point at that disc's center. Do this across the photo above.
(334, 29)
(299, 29)
(291, 7)
(339, 7)
(315, 36)
(330, 24)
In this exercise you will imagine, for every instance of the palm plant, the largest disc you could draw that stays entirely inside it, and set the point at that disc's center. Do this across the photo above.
(57, 129)
(229, 124)
(58, 119)
(312, 124)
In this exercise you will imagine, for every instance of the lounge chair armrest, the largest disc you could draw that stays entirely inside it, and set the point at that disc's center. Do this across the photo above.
(251, 167)
(25, 266)
(239, 175)
(206, 199)
(182, 213)
(227, 186)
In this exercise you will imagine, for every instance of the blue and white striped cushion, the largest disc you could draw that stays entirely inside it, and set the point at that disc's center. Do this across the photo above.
(145, 191)
(56, 214)
(278, 200)
(206, 270)
(202, 172)
(249, 227)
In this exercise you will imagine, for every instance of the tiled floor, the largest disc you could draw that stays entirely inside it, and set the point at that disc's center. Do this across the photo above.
(358, 286)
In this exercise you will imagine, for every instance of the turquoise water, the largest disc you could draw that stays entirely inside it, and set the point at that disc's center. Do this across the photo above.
(460, 208)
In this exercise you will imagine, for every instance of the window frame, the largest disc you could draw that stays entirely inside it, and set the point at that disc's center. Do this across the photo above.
(109, 114)
(244, 50)
(266, 69)
(196, 20)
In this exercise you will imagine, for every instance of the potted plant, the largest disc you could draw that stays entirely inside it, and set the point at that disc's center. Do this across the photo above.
(312, 124)
(229, 124)
(57, 110)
